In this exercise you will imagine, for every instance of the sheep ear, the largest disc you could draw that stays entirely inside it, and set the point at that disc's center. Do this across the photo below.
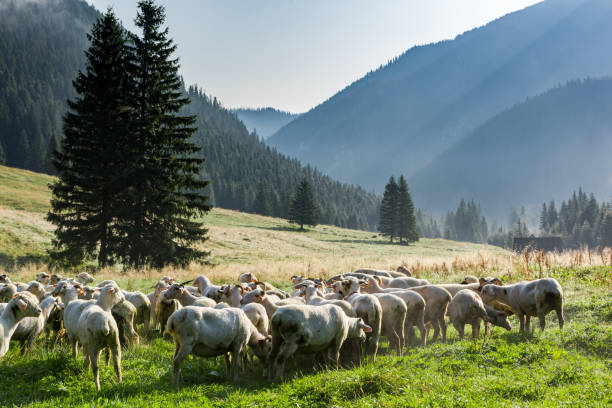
(241, 290)
(377, 279)
(365, 327)
(497, 281)
(482, 281)
(15, 295)
(22, 305)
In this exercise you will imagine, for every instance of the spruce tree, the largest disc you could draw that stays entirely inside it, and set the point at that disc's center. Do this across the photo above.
(388, 221)
(407, 226)
(262, 204)
(303, 210)
(88, 167)
(165, 193)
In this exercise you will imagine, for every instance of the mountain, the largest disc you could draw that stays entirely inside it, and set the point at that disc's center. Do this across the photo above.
(42, 45)
(400, 117)
(264, 121)
(535, 151)
(41, 50)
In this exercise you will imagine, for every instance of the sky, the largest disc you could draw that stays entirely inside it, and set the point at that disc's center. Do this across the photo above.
(294, 54)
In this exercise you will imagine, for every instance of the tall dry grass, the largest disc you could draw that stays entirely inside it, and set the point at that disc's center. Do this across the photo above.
(510, 266)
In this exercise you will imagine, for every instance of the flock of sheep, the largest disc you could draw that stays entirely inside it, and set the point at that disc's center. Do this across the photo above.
(336, 320)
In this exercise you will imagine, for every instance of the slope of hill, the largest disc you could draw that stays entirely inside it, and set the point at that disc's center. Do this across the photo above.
(236, 238)
(264, 121)
(398, 118)
(533, 152)
(41, 50)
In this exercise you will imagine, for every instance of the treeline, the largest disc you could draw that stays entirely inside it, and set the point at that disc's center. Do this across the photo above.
(579, 221)
(41, 50)
(240, 165)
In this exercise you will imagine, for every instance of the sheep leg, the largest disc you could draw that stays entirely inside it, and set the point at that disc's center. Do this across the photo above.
(75, 344)
(116, 351)
(287, 350)
(107, 355)
(475, 328)
(559, 311)
(409, 335)
(423, 331)
(521, 318)
(436, 327)
(541, 311)
(459, 327)
(442, 324)
(94, 354)
(228, 365)
(180, 354)
(237, 366)
(395, 342)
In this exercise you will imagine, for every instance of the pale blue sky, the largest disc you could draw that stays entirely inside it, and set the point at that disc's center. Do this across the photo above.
(294, 54)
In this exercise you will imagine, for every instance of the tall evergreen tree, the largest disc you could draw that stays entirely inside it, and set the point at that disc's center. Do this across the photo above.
(389, 221)
(303, 210)
(407, 226)
(165, 193)
(262, 204)
(544, 219)
(82, 206)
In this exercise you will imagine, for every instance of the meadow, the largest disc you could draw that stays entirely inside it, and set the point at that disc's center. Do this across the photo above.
(555, 368)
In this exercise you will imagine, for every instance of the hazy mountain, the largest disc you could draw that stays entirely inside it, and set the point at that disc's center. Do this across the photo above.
(538, 150)
(265, 121)
(398, 118)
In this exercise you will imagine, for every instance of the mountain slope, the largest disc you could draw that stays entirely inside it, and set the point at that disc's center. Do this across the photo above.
(397, 119)
(264, 121)
(537, 150)
(41, 50)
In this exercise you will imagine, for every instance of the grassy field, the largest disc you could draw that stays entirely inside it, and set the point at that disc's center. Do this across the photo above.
(556, 368)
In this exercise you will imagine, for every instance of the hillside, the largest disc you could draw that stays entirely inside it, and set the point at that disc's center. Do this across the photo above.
(41, 49)
(398, 118)
(528, 154)
(236, 238)
(264, 121)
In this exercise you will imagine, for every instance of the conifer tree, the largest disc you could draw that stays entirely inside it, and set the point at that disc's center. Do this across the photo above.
(303, 210)
(262, 204)
(165, 193)
(407, 226)
(388, 221)
(544, 219)
(82, 206)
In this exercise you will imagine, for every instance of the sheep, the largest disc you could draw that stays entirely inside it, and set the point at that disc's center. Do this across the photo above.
(209, 332)
(84, 278)
(314, 299)
(466, 307)
(271, 290)
(393, 318)
(54, 323)
(407, 282)
(7, 291)
(373, 272)
(68, 292)
(43, 277)
(164, 309)
(311, 329)
(469, 279)
(206, 288)
(124, 314)
(365, 306)
(260, 296)
(37, 289)
(436, 304)
(21, 306)
(497, 317)
(178, 292)
(143, 308)
(55, 279)
(160, 286)
(29, 328)
(4, 278)
(96, 329)
(256, 312)
(247, 277)
(403, 270)
(415, 315)
(535, 298)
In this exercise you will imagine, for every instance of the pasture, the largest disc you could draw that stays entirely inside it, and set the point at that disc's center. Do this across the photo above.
(556, 368)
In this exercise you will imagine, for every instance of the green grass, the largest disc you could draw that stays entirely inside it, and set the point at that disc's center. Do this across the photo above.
(556, 368)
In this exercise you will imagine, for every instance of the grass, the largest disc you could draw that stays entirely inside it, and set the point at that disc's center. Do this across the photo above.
(555, 368)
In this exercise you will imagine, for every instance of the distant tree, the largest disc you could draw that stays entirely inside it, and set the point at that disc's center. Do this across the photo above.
(544, 219)
(389, 211)
(303, 210)
(552, 214)
(407, 226)
(165, 191)
(606, 229)
(83, 203)
(262, 204)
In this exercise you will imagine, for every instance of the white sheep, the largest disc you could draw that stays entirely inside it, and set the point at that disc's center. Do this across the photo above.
(96, 329)
(21, 306)
(143, 308)
(209, 332)
(311, 329)
(29, 328)
(247, 277)
(207, 289)
(178, 292)
(535, 298)
(393, 318)
(314, 298)
(466, 307)
(43, 277)
(84, 278)
(7, 291)
(160, 286)
(164, 309)
(255, 312)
